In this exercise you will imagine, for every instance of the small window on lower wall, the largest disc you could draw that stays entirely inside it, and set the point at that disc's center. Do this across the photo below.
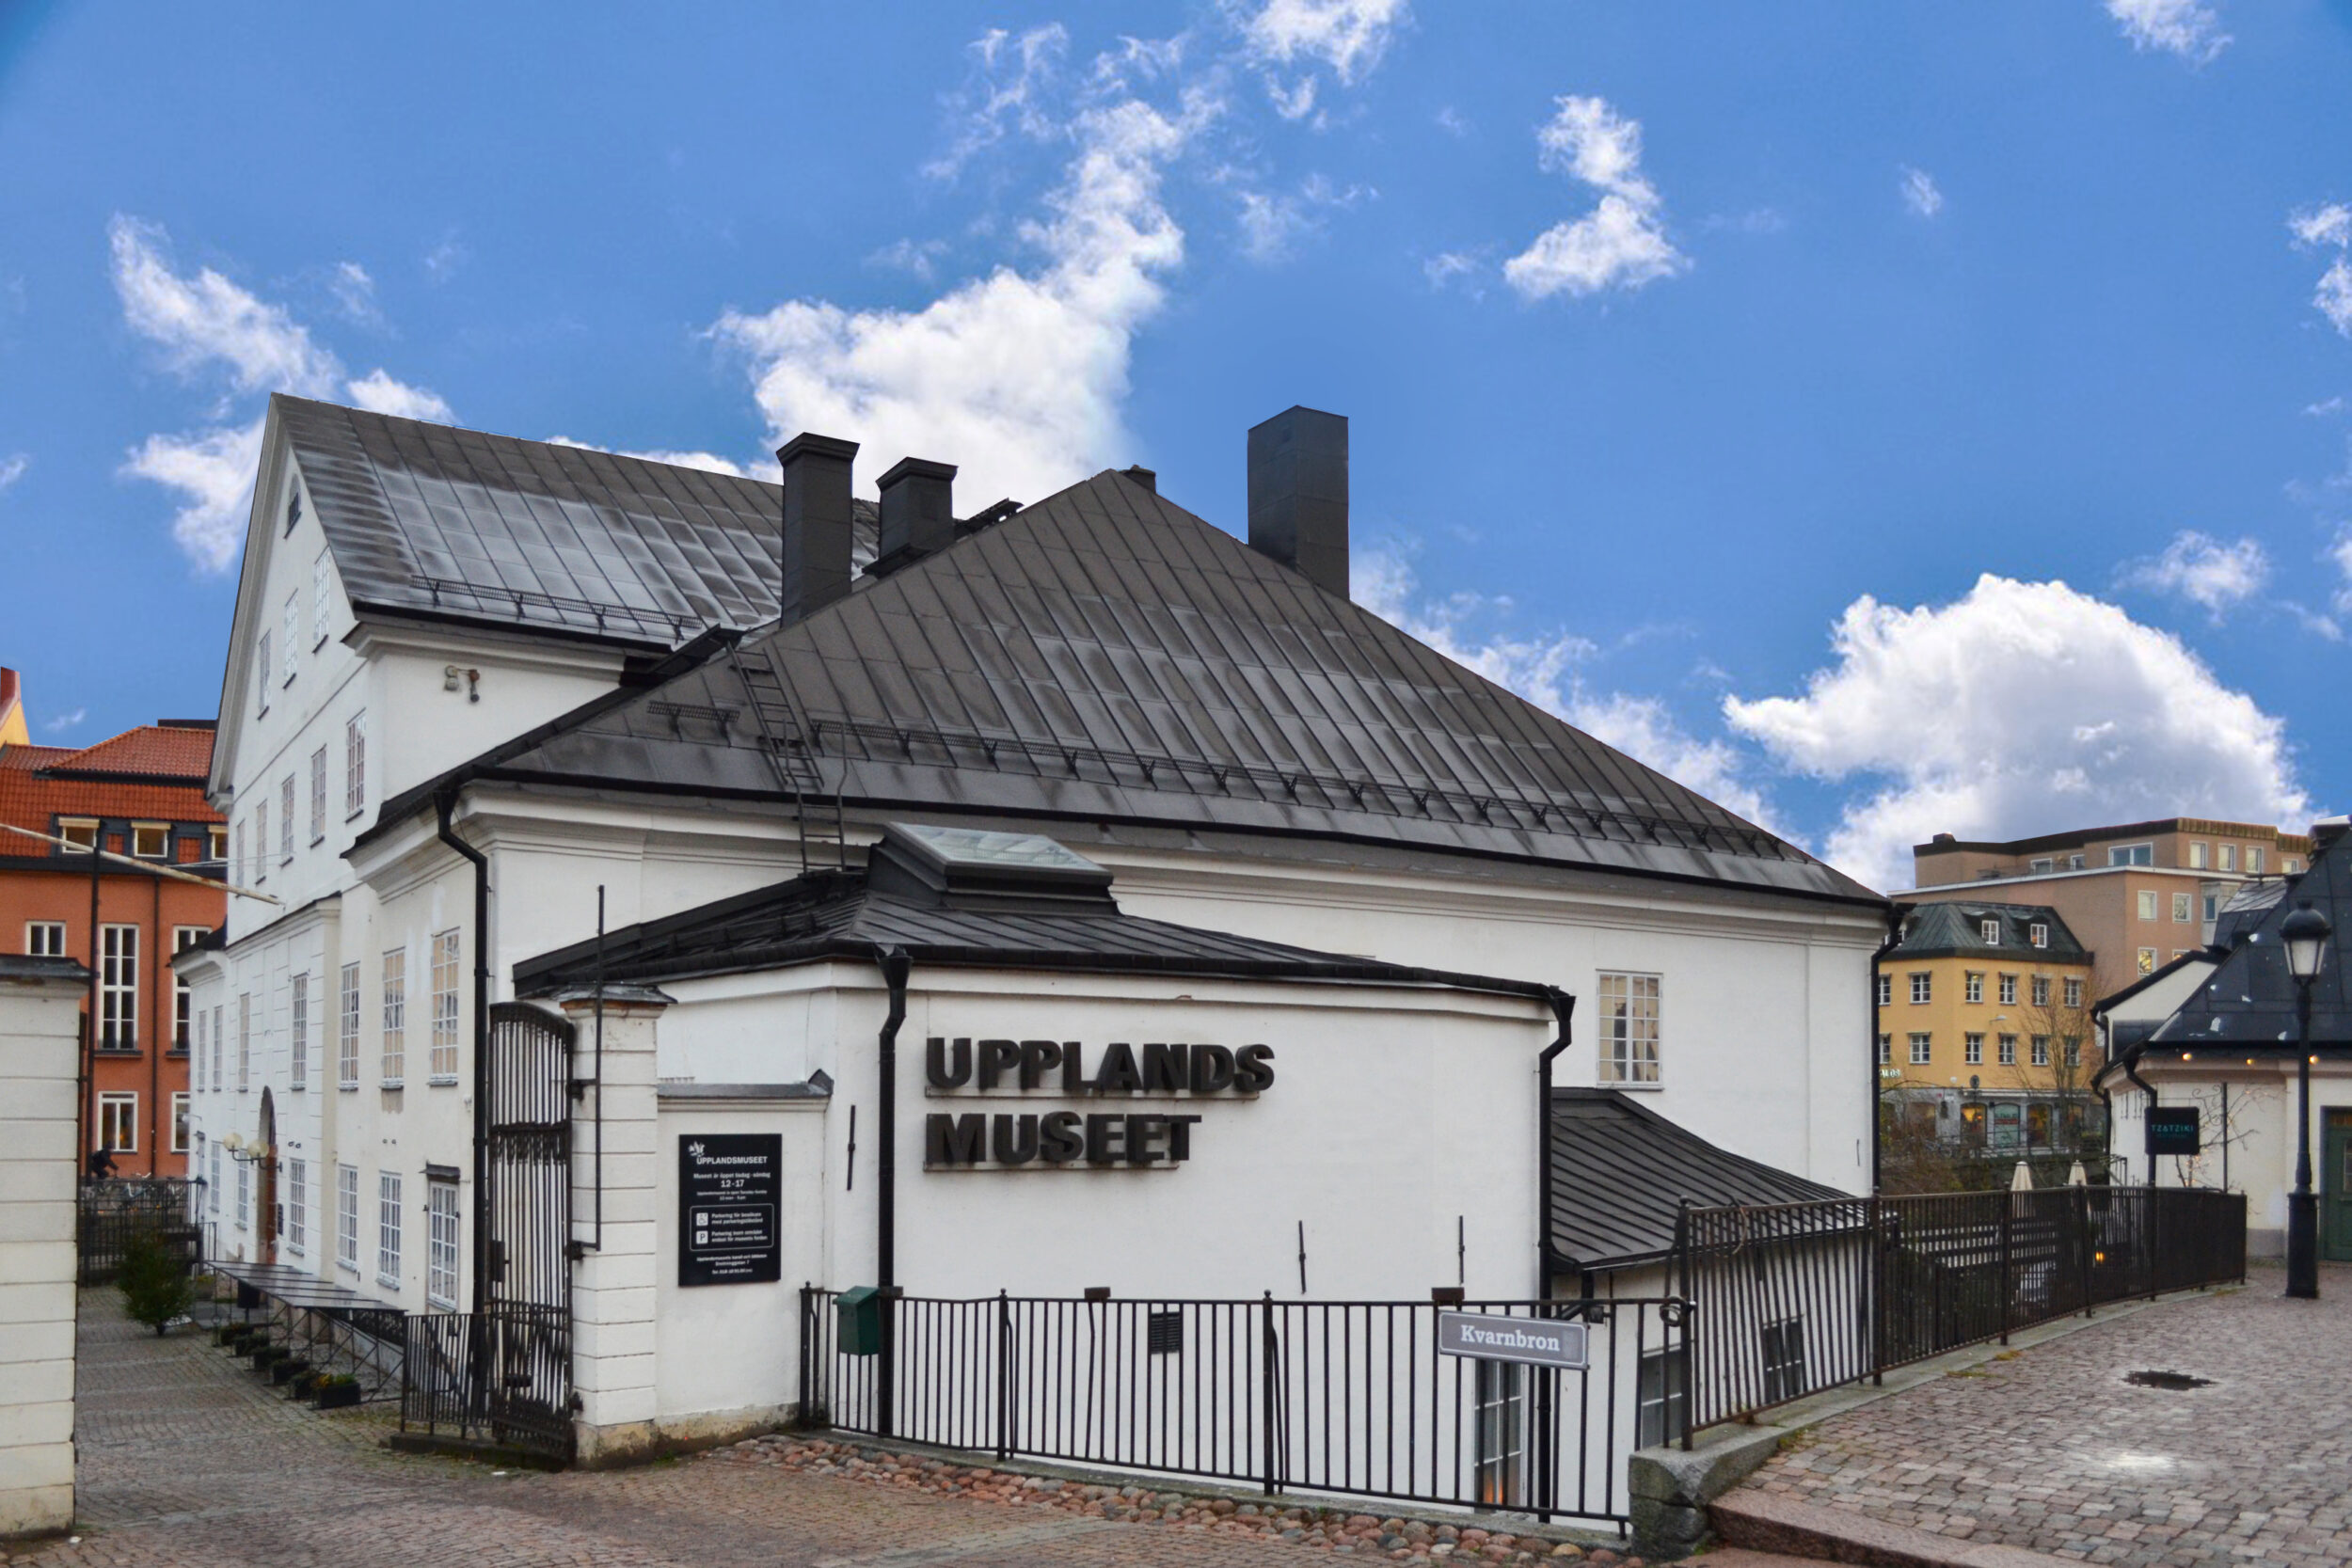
(1501, 1431)
(1662, 1402)
(441, 1242)
(1630, 1028)
(1784, 1360)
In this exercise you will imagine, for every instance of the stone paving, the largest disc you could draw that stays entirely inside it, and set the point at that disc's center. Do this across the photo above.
(2052, 1450)
(187, 1459)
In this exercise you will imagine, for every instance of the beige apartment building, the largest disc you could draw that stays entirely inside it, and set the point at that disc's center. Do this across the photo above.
(2136, 896)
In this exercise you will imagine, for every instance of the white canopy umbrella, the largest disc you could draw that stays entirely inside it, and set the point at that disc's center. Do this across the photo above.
(2021, 1181)
(2078, 1177)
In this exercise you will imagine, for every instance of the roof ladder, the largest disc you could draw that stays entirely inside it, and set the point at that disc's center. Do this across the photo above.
(794, 762)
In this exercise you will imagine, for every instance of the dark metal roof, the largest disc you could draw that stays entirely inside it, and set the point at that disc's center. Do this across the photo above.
(1954, 929)
(835, 915)
(536, 536)
(1620, 1173)
(24, 966)
(1105, 655)
(2243, 915)
(2249, 999)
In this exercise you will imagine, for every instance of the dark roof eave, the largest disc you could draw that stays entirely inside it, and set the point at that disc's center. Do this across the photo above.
(385, 610)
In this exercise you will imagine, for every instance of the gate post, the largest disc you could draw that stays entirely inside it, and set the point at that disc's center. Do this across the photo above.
(2005, 1272)
(1874, 1255)
(1267, 1344)
(2082, 1244)
(1004, 1376)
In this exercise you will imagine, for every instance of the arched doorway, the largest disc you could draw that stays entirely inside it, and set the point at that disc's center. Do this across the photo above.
(265, 1207)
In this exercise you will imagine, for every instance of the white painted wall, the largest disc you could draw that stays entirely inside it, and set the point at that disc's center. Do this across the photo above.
(2260, 1133)
(38, 1058)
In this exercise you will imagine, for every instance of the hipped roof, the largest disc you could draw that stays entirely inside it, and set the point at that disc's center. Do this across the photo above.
(2249, 1002)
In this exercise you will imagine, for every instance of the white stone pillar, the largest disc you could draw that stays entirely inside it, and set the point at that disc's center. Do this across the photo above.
(40, 1002)
(613, 1284)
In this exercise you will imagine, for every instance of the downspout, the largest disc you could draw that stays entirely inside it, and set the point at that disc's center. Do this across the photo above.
(1563, 1007)
(895, 967)
(1896, 914)
(442, 804)
(2131, 1071)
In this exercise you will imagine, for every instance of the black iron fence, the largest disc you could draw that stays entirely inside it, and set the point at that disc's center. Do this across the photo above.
(1354, 1397)
(1793, 1299)
(111, 1212)
(502, 1377)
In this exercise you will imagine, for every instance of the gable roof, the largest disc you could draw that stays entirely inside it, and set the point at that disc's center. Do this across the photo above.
(464, 524)
(1105, 655)
(2249, 1002)
(1620, 1174)
(1957, 930)
(179, 753)
(149, 774)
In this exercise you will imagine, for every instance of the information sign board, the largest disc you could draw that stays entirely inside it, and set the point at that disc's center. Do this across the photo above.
(2173, 1129)
(1535, 1341)
(726, 1198)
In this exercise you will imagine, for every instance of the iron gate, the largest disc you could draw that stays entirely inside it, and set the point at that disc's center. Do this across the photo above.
(505, 1372)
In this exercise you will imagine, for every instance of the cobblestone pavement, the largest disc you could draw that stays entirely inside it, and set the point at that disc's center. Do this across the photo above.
(187, 1459)
(2054, 1450)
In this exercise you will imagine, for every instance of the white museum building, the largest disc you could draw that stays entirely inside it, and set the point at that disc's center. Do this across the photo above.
(691, 897)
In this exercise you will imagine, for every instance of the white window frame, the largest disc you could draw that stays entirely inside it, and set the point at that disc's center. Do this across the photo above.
(318, 796)
(260, 843)
(347, 1217)
(119, 987)
(347, 1030)
(118, 1121)
(1972, 1050)
(182, 994)
(321, 596)
(1989, 932)
(2038, 934)
(221, 1047)
(2198, 854)
(2228, 857)
(237, 860)
(1972, 986)
(2147, 960)
(2073, 991)
(393, 1056)
(161, 831)
(245, 1041)
(1922, 987)
(245, 1195)
(81, 832)
(355, 764)
(2253, 860)
(262, 667)
(2073, 1046)
(2007, 990)
(2008, 1047)
(292, 627)
(2043, 864)
(1886, 990)
(1633, 1042)
(216, 844)
(442, 1065)
(297, 1205)
(443, 1234)
(45, 939)
(286, 820)
(2039, 991)
(388, 1228)
(1922, 1044)
(2131, 854)
(2183, 908)
(1782, 1350)
(212, 1181)
(178, 1121)
(1887, 1049)
(2148, 905)
(1661, 1403)
(298, 1031)
(2040, 1048)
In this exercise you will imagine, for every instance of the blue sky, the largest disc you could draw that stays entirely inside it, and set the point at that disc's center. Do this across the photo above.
(1888, 418)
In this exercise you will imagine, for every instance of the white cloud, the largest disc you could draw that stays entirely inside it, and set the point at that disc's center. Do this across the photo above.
(1544, 669)
(2333, 297)
(13, 468)
(1012, 75)
(2322, 228)
(2184, 28)
(442, 261)
(1272, 223)
(203, 324)
(2022, 707)
(1017, 376)
(1453, 121)
(1919, 193)
(65, 720)
(2319, 226)
(2340, 553)
(918, 257)
(2204, 571)
(1346, 36)
(1447, 265)
(710, 460)
(355, 293)
(1620, 243)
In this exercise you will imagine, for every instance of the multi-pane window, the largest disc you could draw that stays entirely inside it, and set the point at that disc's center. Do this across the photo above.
(237, 860)
(217, 846)
(2182, 909)
(1784, 1360)
(347, 1030)
(320, 597)
(2073, 1050)
(444, 1063)
(1630, 1028)
(245, 1041)
(395, 1014)
(221, 1047)
(1661, 1400)
(2133, 855)
(212, 1183)
(2038, 934)
(1922, 1049)
(179, 1124)
(1972, 1046)
(119, 987)
(1922, 985)
(292, 629)
(1500, 1431)
(2254, 858)
(285, 818)
(440, 1271)
(1886, 988)
(2042, 990)
(318, 795)
(150, 840)
(2042, 1050)
(2228, 857)
(297, 1205)
(298, 1031)
(203, 1042)
(355, 763)
(45, 939)
(1989, 932)
(2074, 992)
(245, 1193)
(388, 1228)
(260, 843)
(347, 1216)
(2008, 991)
(183, 998)
(1972, 986)
(2008, 1050)
(118, 1122)
(1886, 1051)
(2197, 856)
(263, 668)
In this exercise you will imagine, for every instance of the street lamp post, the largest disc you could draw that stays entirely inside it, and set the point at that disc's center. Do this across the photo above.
(2305, 933)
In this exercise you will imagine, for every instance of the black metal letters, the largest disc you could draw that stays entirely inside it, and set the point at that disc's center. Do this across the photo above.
(961, 1068)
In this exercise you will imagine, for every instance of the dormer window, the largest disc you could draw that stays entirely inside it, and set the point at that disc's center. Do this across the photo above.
(1989, 932)
(2039, 935)
(150, 840)
(2044, 864)
(79, 831)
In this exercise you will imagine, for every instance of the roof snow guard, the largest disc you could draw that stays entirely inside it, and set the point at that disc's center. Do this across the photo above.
(1105, 655)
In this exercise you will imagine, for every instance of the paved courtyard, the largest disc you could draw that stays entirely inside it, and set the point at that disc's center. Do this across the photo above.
(2054, 1450)
(187, 1459)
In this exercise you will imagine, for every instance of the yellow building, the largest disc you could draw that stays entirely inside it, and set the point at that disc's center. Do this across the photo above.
(1984, 1026)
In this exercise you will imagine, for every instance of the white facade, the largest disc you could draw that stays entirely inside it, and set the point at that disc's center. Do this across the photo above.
(40, 1058)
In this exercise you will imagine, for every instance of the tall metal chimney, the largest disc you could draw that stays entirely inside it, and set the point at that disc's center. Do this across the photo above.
(1299, 494)
(918, 511)
(817, 522)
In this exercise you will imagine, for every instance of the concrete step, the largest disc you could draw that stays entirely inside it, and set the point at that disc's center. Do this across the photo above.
(1781, 1529)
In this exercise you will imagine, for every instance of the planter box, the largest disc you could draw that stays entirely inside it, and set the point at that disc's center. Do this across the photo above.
(304, 1385)
(266, 1357)
(287, 1368)
(338, 1396)
(225, 1333)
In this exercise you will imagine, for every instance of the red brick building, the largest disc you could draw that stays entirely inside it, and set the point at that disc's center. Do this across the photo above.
(140, 795)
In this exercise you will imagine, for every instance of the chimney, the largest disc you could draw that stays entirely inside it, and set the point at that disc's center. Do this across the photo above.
(817, 525)
(12, 729)
(918, 511)
(1299, 494)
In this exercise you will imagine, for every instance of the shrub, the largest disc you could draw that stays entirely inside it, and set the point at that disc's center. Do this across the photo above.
(153, 1281)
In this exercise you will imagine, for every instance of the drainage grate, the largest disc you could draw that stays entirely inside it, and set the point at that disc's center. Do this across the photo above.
(2176, 1382)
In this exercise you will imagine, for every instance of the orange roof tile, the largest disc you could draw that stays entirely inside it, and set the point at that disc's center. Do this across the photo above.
(32, 797)
(166, 750)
